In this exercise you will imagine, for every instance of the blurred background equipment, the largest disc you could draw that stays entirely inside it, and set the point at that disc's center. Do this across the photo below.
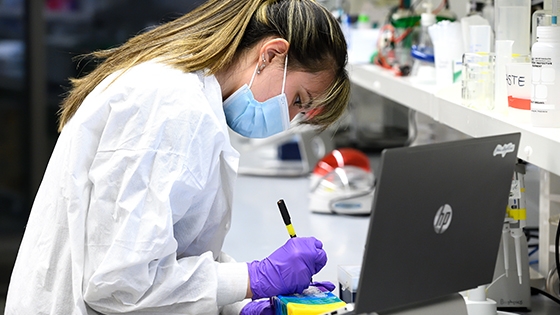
(342, 183)
(293, 152)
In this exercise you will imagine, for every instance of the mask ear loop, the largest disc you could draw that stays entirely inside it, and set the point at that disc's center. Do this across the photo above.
(285, 72)
(254, 74)
(283, 80)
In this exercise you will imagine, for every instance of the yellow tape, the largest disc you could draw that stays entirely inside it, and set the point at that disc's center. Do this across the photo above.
(517, 214)
(312, 306)
(291, 230)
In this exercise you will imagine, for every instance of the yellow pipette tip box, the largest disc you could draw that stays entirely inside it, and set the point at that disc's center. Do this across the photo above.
(312, 301)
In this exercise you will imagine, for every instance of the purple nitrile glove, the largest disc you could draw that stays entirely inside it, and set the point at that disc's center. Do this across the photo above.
(260, 307)
(289, 269)
(324, 285)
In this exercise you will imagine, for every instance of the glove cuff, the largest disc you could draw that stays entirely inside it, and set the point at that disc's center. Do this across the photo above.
(260, 307)
(254, 279)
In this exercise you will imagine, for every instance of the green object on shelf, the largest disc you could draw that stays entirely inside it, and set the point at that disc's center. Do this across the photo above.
(363, 18)
(414, 20)
(406, 22)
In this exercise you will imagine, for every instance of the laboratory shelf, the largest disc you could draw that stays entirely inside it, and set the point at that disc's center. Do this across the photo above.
(539, 146)
(401, 90)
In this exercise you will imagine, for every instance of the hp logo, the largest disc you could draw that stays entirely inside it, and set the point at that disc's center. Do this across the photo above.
(442, 219)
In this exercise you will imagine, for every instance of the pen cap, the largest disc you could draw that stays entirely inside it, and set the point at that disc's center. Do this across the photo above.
(284, 211)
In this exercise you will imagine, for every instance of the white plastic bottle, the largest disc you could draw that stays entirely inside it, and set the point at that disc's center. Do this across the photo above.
(545, 93)
(543, 17)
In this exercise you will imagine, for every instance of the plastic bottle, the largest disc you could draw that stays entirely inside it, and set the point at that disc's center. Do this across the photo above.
(423, 67)
(446, 13)
(545, 60)
(363, 22)
(543, 17)
(488, 12)
(402, 20)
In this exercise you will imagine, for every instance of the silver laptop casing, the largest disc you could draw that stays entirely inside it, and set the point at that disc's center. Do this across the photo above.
(411, 256)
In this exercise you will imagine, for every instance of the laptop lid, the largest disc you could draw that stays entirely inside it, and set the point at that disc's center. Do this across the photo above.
(436, 221)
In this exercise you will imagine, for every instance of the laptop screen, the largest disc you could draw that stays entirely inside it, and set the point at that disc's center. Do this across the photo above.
(436, 221)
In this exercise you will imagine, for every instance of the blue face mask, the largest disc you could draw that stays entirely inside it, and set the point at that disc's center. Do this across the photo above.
(253, 119)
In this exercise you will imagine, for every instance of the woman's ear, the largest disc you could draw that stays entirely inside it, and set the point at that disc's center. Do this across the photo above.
(273, 48)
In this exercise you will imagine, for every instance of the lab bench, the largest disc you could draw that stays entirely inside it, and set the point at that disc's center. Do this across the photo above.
(257, 228)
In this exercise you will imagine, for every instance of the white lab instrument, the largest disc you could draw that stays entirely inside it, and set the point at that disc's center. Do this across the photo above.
(263, 157)
(478, 304)
(342, 183)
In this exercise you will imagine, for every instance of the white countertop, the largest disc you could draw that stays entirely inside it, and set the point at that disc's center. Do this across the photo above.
(256, 232)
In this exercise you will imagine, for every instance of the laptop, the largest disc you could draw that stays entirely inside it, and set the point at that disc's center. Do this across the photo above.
(436, 222)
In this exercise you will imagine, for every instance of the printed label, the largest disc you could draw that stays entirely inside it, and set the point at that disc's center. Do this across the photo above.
(544, 93)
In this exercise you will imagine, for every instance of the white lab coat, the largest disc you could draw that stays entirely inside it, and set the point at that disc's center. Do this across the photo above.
(135, 204)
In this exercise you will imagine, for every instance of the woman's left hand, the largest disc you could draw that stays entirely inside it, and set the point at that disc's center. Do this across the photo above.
(326, 285)
(258, 307)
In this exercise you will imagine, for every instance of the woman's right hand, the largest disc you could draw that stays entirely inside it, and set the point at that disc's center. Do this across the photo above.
(287, 270)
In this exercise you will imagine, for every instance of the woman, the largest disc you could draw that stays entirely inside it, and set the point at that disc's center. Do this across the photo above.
(136, 200)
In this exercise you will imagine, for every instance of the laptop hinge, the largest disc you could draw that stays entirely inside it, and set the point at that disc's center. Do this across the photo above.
(449, 304)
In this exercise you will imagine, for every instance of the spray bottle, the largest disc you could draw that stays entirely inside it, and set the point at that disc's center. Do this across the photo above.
(423, 67)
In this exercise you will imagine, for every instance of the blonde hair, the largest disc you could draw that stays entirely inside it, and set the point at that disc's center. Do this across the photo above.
(213, 35)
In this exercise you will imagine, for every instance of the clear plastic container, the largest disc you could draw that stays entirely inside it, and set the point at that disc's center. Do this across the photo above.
(518, 80)
(477, 90)
(348, 279)
(513, 22)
